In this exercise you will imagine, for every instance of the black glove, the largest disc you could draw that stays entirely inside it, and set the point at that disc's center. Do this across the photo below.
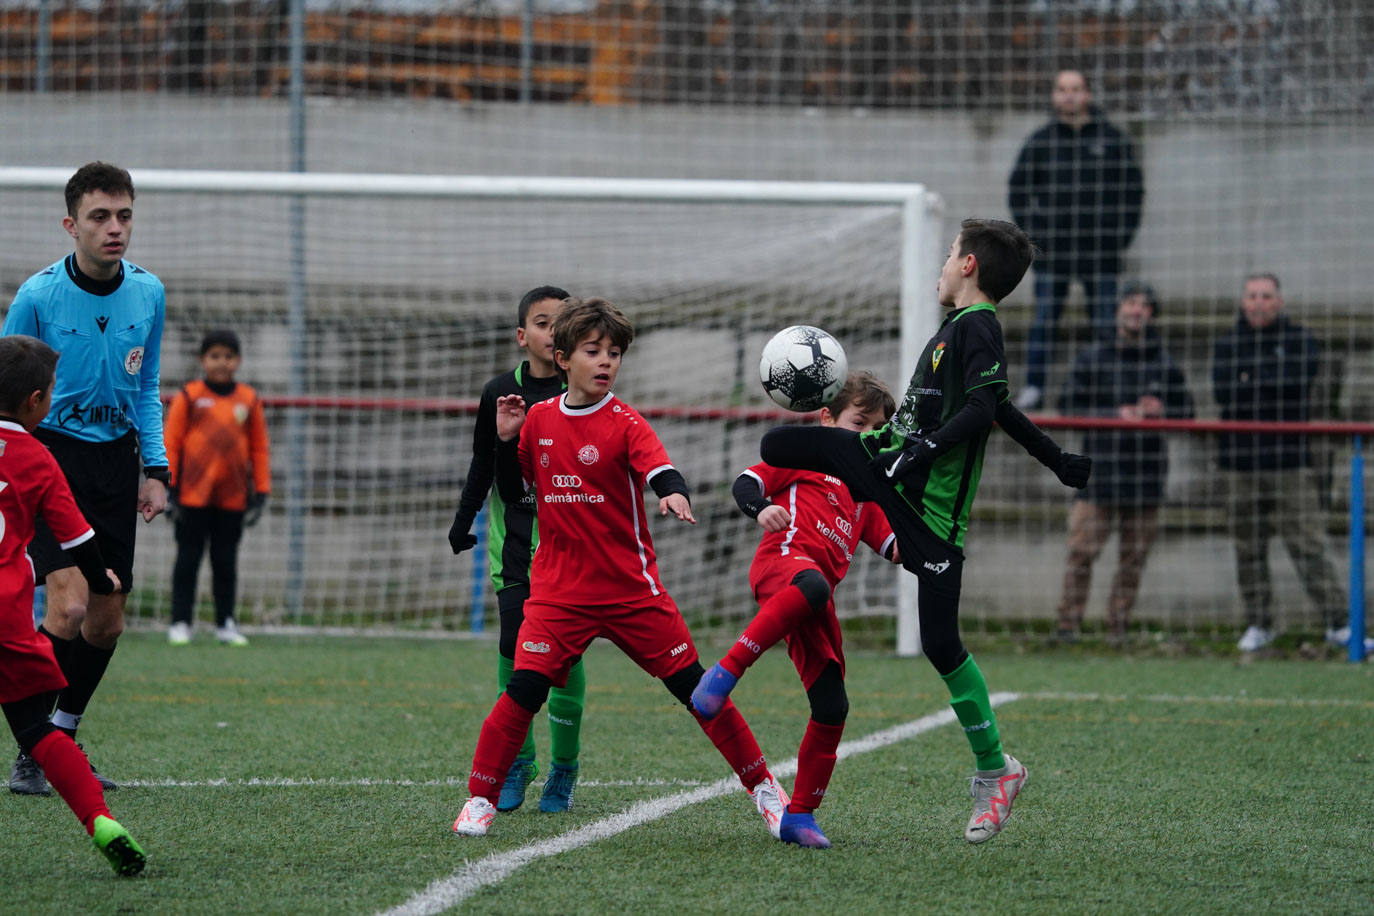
(1073, 470)
(459, 537)
(254, 510)
(919, 454)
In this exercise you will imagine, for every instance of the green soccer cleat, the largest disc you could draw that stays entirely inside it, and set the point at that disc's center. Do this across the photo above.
(126, 856)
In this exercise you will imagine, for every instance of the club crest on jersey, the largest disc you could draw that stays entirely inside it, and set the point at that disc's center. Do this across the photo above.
(133, 361)
(543, 459)
(588, 454)
(831, 498)
(938, 355)
(240, 414)
(2, 451)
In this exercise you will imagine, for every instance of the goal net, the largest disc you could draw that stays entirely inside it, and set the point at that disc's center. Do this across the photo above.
(371, 330)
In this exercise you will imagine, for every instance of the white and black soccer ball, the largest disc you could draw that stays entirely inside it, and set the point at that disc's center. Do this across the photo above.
(803, 368)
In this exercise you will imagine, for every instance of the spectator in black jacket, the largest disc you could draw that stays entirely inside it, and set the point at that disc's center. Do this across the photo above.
(1128, 378)
(1077, 192)
(1264, 369)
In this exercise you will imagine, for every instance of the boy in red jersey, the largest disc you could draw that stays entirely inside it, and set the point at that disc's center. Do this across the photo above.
(31, 485)
(810, 534)
(217, 454)
(587, 456)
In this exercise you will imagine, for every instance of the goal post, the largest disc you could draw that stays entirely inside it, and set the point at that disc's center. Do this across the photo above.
(693, 258)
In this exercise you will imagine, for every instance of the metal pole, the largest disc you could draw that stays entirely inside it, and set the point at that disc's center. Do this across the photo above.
(1357, 553)
(527, 53)
(42, 65)
(920, 319)
(296, 327)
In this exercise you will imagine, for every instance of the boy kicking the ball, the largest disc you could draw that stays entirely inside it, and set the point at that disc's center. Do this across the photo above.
(811, 528)
(922, 468)
(587, 455)
(31, 485)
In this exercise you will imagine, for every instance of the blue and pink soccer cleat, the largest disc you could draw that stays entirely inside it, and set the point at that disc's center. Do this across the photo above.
(801, 829)
(712, 691)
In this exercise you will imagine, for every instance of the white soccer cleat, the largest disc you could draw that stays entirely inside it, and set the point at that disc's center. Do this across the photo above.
(993, 792)
(475, 817)
(1341, 638)
(1254, 638)
(179, 634)
(771, 800)
(229, 635)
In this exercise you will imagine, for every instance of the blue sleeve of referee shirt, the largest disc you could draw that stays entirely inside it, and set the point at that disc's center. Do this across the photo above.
(149, 405)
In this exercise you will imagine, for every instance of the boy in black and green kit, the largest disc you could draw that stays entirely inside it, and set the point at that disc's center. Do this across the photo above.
(923, 469)
(512, 534)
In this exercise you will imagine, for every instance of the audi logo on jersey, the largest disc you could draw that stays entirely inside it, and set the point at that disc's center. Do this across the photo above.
(567, 480)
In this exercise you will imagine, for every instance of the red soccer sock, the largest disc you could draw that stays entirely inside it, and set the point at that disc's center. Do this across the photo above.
(732, 737)
(777, 617)
(70, 774)
(502, 734)
(815, 763)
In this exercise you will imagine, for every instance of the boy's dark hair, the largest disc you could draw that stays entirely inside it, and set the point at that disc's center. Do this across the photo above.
(589, 319)
(220, 337)
(97, 176)
(27, 365)
(1265, 275)
(1003, 251)
(538, 294)
(867, 392)
(1140, 288)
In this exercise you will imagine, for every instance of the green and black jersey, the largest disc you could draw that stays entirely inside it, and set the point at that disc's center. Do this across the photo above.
(965, 354)
(512, 531)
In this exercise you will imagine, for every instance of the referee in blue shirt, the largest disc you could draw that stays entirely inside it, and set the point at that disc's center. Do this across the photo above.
(104, 315)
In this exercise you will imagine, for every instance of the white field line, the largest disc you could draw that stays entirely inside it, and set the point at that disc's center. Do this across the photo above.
(786, 769)
(450, 782)
(448, 892)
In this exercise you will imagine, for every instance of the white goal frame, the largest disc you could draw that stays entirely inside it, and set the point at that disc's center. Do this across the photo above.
(922, 241)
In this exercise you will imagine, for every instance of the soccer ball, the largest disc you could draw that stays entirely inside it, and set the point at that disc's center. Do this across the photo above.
(803, 368)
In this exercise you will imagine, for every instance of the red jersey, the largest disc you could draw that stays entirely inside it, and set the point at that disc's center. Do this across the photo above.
(587, 468)
(31, 484)
(827, 525)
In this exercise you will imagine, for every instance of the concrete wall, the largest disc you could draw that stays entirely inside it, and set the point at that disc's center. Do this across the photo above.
(1223, 197)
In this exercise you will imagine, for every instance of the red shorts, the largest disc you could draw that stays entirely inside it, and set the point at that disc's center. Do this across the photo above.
(28, 667)
(816, 642)
(652, 633)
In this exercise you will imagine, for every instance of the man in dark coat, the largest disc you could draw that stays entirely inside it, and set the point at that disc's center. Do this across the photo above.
(1128, 378)
(1265, 369)
(1077, 192)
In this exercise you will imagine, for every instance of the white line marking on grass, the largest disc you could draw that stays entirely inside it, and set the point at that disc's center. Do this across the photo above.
(305, 781)
(1227, 700)
(493, 869)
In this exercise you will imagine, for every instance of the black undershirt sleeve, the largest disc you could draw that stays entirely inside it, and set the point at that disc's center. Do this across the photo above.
(1026, 434)
(509, 481)
(749, 496)
(976, 415)
(670, 481)
(92, 565)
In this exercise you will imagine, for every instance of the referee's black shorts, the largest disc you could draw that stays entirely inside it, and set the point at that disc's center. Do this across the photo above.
(104, 479)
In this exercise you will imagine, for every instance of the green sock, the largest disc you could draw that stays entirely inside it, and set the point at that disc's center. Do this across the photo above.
(565, 716)
(968, 694)
(505, 667)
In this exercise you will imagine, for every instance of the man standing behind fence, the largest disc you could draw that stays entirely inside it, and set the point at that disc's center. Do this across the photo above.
(1130, 378)
(1077, 192)
(1265, 369)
